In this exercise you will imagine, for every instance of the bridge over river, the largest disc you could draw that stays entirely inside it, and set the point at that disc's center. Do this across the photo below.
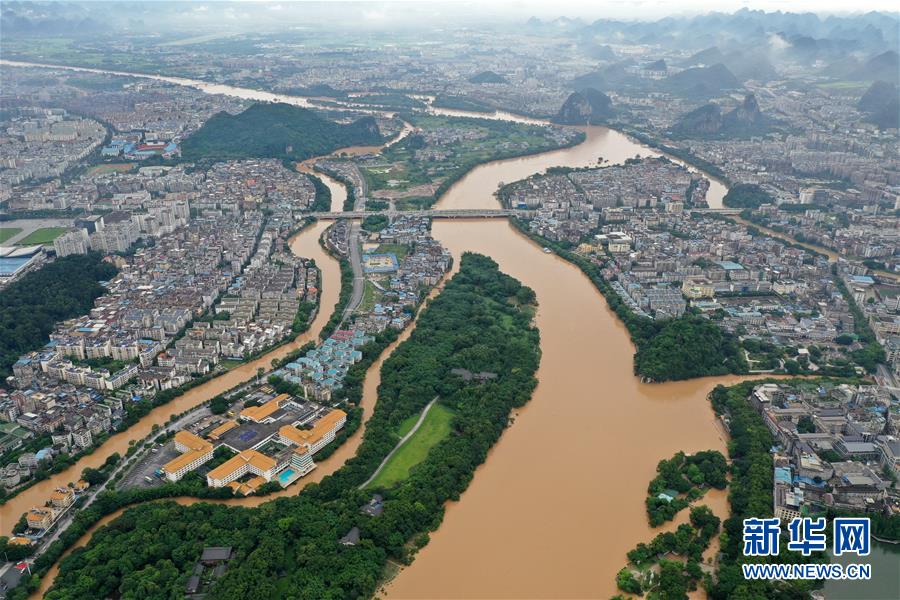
(487, 213)
(435, 214)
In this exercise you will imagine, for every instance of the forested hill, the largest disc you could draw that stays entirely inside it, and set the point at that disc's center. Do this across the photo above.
(269, 130)
(31, 306)
(290, 548)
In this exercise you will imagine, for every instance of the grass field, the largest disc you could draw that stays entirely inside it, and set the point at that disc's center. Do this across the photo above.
(111, 168)
(400, 250)
(229, 363)
(45, 235)
(434, 428)
(371, 296)
(8, 232)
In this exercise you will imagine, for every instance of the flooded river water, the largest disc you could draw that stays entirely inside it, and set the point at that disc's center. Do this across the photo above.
(560, 499)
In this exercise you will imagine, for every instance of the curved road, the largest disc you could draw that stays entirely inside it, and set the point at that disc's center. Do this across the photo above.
(400, 443)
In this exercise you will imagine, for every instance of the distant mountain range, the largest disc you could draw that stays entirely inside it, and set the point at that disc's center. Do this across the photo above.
(276, 131)
(883, 67)
(801, 36)
(709, 121)
(743, 64)
(702, 81)
(586, 107)
(881, 105)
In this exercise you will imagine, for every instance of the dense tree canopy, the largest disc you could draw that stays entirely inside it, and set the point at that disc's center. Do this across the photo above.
(669, 349)
(686, 475)
(289, 547)
(31, 306)
(747, 195)
(275, 131)
(686, 347)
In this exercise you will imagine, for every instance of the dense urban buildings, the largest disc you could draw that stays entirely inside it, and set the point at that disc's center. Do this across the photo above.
(724, 185)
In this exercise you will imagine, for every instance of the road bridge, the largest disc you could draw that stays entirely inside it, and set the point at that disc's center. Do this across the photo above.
(498, 213)
(468, 213)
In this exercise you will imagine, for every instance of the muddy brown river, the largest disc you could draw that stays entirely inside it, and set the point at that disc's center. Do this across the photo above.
(560, 499)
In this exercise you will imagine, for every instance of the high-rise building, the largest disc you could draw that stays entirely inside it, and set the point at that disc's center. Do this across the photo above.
(73, 242)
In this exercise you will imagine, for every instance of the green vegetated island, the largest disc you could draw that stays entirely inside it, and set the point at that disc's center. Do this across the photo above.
(681, 480)
(672, 564)
(276, 130)
(320, 544)
(417, 170)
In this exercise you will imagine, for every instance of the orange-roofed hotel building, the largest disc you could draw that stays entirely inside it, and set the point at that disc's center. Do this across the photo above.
(306, 442)
(248, 461)
(323, 431)
(195, 452)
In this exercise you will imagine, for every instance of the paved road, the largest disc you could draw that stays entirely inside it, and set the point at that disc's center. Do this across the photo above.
(886, 378)
(9, 578)
(359, 279)
(400, 443)
(127, 463)
(363, 191)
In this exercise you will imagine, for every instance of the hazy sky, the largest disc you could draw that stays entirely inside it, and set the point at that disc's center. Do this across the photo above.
(647, 9)
(259, 15)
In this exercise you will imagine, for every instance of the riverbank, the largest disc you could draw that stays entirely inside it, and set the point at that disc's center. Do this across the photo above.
(304, 244)
(653, 361)
(360, 390)
(358, 468)
(627, 141)
(595, 413)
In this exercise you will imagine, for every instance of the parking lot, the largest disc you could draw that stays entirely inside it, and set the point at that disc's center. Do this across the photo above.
(148, 465)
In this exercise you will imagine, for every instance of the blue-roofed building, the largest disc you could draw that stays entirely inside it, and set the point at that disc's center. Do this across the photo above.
(783, 475)
(862, 279)
(730, 265)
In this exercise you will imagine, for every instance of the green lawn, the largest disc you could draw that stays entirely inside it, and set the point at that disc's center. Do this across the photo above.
(407, 424)
(45, 235)
(371, 297)
(435, 428)
(400, 250)
(8, 232)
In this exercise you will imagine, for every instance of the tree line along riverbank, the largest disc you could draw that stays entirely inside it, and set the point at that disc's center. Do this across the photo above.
(679, 348)
(481, 322)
